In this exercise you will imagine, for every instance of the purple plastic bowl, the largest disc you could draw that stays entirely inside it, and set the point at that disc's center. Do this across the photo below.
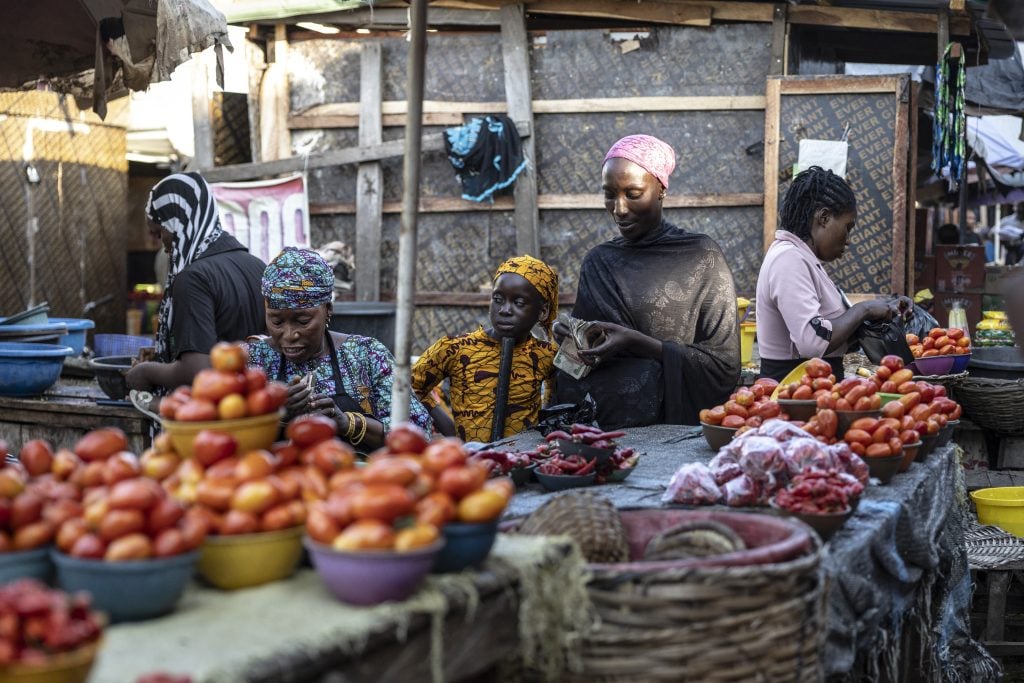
(934, 365)
(960, 363)
(370, 577)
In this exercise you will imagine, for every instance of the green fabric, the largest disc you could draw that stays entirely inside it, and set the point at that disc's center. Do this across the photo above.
(216, 636)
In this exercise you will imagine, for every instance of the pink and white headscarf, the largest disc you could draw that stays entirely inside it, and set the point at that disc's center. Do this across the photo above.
(648, 152)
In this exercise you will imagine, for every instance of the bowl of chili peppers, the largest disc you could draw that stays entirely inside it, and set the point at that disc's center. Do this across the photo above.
(561, 482)
(822, 500)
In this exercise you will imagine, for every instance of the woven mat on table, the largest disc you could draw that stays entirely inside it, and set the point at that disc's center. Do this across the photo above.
(989, 547)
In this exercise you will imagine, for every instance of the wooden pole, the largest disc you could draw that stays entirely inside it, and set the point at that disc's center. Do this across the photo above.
(406, 290)
(370, 179)
(516, 56)
(202, 127)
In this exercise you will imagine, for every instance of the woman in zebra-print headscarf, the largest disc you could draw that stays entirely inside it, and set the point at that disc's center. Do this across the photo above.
(212, 291)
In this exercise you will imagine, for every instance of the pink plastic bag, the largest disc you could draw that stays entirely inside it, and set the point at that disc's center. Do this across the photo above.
(692, 484)
(741, 492)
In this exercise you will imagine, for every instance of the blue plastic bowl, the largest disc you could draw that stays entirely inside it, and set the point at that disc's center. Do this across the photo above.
(44, 332)
(77, 329)
(30, 369)
(128, 591)
(960, 362)
(26, 564)
(466, 545)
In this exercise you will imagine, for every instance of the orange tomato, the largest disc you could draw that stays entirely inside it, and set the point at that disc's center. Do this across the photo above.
(399, 470)
(319, 525)
(100, 444)
(37, 456)
(382, 502)
(131, 547)
(232, 407)
(309, 430)
(418, 535)
(436, 508)
(365, 534)
(459, 482)
(481, 506)
(228, 357)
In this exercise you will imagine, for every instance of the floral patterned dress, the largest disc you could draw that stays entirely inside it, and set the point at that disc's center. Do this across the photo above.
(367, 374)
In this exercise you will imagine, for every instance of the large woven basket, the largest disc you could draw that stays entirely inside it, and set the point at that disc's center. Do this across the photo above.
(673, 621)
(994, 404)
(591, 520)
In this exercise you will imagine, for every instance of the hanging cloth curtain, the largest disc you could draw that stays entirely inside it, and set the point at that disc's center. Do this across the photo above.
(487, 155)
(950, 121)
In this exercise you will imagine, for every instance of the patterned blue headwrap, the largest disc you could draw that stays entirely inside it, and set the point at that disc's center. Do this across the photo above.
(298, 278)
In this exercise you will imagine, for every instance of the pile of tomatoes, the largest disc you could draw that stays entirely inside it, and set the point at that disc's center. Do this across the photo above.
(37, 623)
(746, 407)
(406, 493)
(940, 342)
(92, 502)
(227, 391)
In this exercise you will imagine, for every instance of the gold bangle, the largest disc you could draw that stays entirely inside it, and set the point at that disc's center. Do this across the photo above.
(362, 431)
(351, 429)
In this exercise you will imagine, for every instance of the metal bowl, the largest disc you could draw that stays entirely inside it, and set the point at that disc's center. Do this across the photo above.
(110, 374)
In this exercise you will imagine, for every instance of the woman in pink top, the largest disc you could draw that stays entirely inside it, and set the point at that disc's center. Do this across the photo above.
(801, 313)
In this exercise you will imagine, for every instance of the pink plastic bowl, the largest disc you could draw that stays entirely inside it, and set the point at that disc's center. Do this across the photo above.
(370, 577)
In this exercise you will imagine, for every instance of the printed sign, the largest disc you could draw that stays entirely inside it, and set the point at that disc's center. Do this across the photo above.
(266, 215)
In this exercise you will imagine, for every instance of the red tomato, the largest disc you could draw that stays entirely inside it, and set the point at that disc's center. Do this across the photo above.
(309, 430)
(319, 525)
(228, 357)
(444, 453)
(459, 482)
(88, 546)
(215, 493)
(260, 402)
(714, 416)
(130, 547)
(33, 535)
(213, 385)
(733, 421)
(287, 453)
(853, 436)
(238, 522)
(277, 518)
(118, 523)
(100, 444)
(255, 379)
(169, 407)
(382, 502)
(164, 515)
(878, 450)
(816, 367)
(893, 363)
(481, 506)
(406, 438)
(278, 393)
(801, 393)
(255, 465)
(37, 456)
(169, 542)
(135, 494)
(331, 456)
(401, 471)
(254, 496)
(26, 509)
(734, 408)
(418, 535)
(893, 409)
(365, 534)
(69, 533)
(196, 410)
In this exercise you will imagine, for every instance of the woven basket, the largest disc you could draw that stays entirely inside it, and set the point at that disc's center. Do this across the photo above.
(714, 624)
(951, 382)
(994, 404)
(591, 520)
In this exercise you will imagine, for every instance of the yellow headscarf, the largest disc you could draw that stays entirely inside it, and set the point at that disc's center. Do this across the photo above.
(541, 276)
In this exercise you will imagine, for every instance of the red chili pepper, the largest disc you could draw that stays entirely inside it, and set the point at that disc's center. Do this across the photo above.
(587, 468)
(585, 429)
(554, 436)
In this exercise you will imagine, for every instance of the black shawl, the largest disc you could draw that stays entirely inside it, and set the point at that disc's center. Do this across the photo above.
(674, 286)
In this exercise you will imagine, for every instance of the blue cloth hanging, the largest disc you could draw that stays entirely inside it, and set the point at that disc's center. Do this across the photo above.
(487, 155)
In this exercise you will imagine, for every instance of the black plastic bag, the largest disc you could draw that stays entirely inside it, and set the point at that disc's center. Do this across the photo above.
(879, 338)
(565, 415)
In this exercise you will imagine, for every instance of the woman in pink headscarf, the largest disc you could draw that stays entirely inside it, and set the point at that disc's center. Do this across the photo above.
(664, 299)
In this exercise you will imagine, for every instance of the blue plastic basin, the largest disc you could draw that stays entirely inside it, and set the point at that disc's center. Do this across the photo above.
(466, 545)
(128, 591)
(77, 329)
(26, 564)
(45, 332)
(30, 369)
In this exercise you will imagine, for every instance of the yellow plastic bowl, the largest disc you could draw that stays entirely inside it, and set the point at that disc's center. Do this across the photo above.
(252, 433)
(67, 667)
(1002, 506)
(231, 562)
(794, 376)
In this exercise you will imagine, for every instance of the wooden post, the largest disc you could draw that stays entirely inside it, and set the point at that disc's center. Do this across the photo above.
(202, 127)
(778, 65)
(943, 32)
(772, 129)
(369, 181)
(901, 137)
(257, 65)
(516, 57)
(405, 295)
(275, 139)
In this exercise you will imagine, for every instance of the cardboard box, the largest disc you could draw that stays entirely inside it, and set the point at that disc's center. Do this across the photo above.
(971, 302)
(959, 268)
(924, 273)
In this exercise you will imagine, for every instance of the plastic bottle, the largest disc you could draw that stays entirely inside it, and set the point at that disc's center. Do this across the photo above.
(958, 317)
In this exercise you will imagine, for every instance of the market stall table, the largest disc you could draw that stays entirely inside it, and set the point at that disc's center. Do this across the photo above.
(66, 411)
(294, 630)
(899, 554)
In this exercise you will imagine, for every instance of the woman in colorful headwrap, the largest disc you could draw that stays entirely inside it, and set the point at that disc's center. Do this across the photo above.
(213, 283)
(662, 296)
(351, 375)
(524, 294)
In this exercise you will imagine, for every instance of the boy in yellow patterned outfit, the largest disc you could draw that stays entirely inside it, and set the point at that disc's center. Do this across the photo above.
(525, 293)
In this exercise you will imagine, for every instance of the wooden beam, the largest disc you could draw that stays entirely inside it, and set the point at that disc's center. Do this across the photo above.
(571, 106)
(545, 202)
(899, 185)
(338, 157)
(275, 139)
(772, 129)
(515, 53)
(389, 120)
(911, 211)
(370, 177)
(398, 17)
(826, 85)
(778, 63)
(650, 10)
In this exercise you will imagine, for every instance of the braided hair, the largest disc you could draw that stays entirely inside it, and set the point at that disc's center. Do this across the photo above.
(811, 190)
